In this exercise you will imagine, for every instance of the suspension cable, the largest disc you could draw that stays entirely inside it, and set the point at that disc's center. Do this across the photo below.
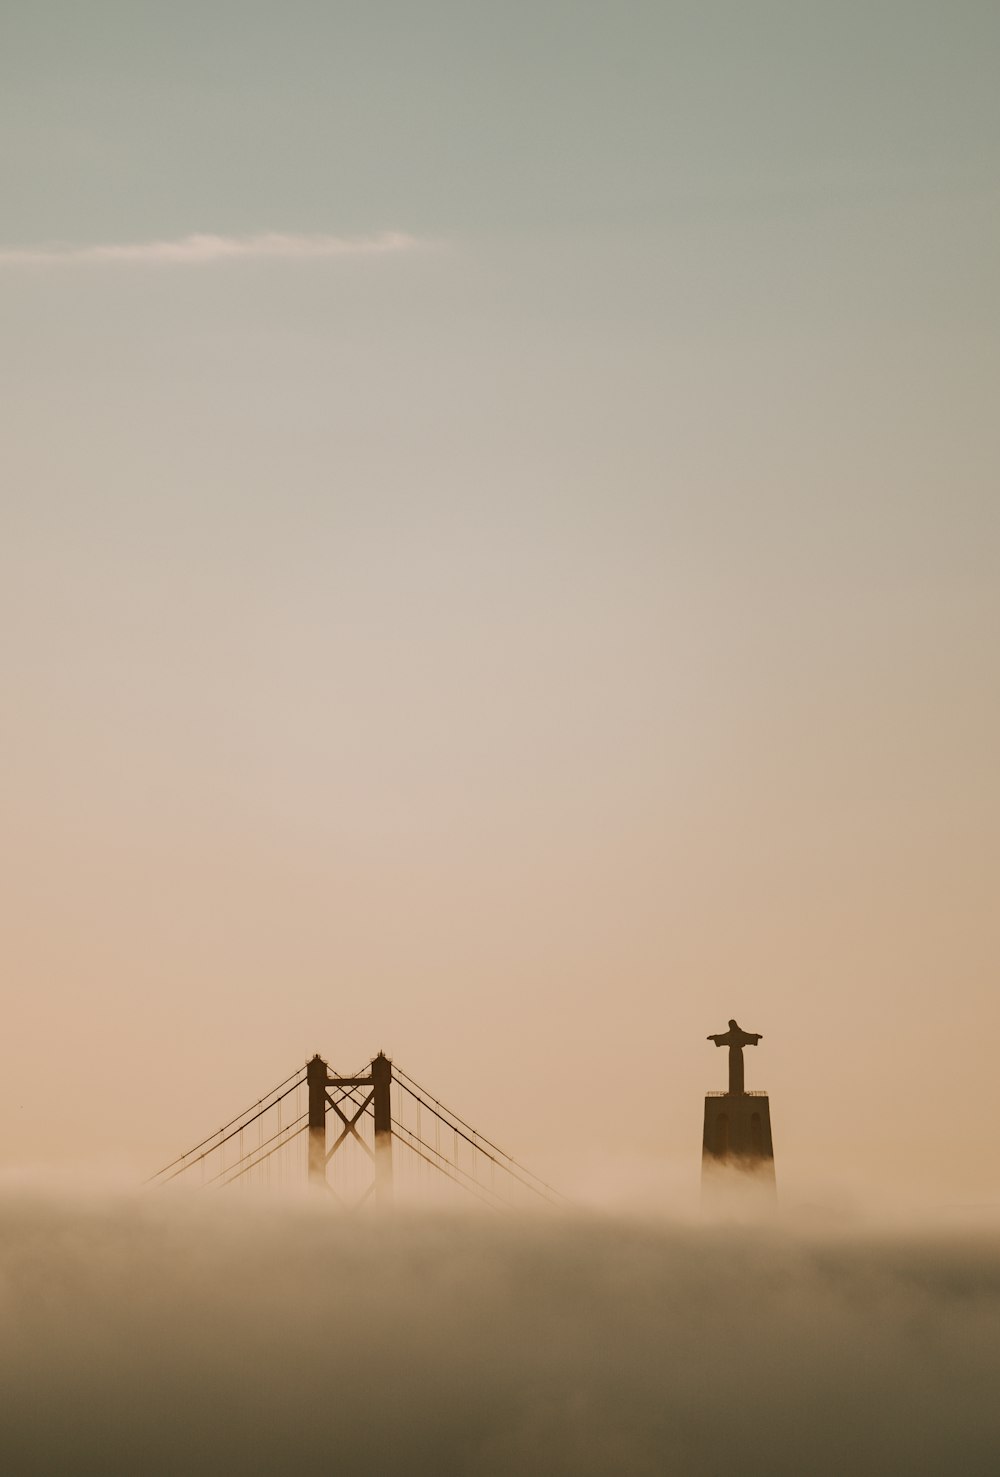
(228, 1168)
(214, 1135)
(240, 1173)
(446, 1165)
(534, 1189)
(398, 1071)
(220, 1142)
(448, 1175)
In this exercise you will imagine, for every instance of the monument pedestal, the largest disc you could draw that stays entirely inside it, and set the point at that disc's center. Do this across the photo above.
(736, 1146)
(737, 1156)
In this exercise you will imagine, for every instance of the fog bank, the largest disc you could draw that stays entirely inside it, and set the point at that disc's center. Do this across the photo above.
(161, 1336)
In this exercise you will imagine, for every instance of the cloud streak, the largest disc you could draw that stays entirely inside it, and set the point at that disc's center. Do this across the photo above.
(204, 249)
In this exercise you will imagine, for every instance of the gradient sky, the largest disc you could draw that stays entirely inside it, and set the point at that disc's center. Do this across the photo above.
(542, 604)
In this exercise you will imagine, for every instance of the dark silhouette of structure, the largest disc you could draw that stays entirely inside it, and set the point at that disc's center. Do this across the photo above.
(736, 1147)
(406, 1145)
(736, 1039)
(323, 1084)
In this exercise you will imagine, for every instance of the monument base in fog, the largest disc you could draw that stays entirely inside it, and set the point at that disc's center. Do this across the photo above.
(737, 1157)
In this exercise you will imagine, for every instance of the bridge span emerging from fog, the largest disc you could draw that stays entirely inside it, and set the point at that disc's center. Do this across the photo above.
(375, 1134)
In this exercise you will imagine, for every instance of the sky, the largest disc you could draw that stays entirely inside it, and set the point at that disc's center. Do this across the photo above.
(499, 563)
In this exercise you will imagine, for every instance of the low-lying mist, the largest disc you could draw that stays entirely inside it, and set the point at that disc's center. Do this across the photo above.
(172, 1335)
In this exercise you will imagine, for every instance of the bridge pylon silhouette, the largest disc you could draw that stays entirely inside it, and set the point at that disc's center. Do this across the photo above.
(378, 1099)
(391, 1140)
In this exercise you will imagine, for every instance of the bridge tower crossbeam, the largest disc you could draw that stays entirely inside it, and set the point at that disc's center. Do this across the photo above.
(322, 1084)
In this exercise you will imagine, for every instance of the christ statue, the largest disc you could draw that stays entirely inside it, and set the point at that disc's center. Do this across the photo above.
(736, 1039)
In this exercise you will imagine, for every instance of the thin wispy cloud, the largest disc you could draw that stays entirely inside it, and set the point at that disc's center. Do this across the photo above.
(202, 249)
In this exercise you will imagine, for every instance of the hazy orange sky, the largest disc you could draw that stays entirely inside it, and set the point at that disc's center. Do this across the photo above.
(527, 641)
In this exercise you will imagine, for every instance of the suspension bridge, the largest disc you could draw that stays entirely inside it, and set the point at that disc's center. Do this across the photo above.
(372, 1135)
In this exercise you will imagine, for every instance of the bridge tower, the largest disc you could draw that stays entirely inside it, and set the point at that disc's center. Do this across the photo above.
(322, 1083)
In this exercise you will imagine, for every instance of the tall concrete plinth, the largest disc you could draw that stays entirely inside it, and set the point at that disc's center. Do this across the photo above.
(737, 1149)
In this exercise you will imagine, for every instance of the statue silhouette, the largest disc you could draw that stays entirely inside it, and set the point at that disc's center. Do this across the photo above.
(736, 1039)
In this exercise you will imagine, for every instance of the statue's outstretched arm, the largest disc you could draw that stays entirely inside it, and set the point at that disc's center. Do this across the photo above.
(716, 1039)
